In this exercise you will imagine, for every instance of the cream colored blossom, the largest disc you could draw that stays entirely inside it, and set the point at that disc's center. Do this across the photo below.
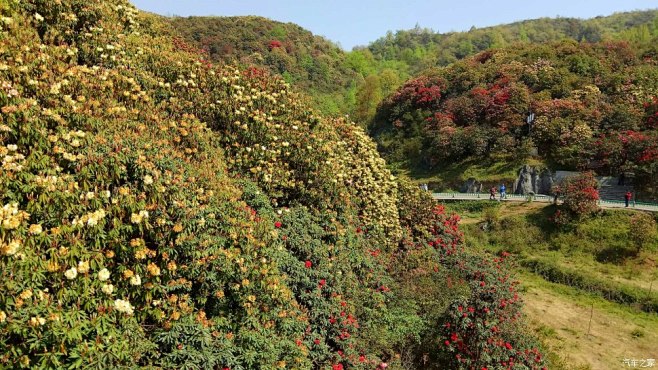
(71, 273)
(83, 267)
(103, 274)
(136, 280)
(3, 316)
(137, 218)
(140, 254)
(11, 248)
(38, 17)
(26, 294)
(35, 229)
(123, 306)
(107, 289)
(37, 321)
(11, 217)
(153, 269)
(148, 180)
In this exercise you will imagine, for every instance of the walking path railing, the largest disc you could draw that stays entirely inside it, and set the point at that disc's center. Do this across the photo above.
(543, 199)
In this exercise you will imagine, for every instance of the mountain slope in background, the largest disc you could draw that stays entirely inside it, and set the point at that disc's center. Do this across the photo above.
(422, 48)
(355, 82)
(594, 106)
(311, 63)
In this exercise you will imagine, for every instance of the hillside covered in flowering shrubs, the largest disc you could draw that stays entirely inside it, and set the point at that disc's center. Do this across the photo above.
(590, 105)
(159, 211)
(309, 62)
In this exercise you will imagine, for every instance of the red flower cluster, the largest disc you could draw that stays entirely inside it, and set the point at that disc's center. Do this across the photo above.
(274, 44)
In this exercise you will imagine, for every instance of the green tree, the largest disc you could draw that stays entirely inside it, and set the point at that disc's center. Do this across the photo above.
(642, 231)
(368, 97)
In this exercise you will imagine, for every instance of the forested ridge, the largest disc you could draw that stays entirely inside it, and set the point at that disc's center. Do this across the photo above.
(356, 81)
(592, 105)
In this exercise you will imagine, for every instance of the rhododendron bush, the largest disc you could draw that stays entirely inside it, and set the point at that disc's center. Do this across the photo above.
(160, 211)
(480, 107)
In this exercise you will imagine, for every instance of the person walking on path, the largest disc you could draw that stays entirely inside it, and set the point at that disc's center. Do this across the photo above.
(492, 193)
(502, 191)
(628, 197)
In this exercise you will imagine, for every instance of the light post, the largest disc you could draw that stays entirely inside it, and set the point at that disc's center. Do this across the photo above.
(529, 120)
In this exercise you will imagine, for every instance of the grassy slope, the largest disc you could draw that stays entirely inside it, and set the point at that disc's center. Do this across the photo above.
(560, 316)
(490, 171)
(559, 313)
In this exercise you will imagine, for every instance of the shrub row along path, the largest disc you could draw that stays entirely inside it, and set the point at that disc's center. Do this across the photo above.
(651, 207)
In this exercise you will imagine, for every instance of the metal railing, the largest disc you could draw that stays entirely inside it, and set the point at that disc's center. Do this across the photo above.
(544, 199)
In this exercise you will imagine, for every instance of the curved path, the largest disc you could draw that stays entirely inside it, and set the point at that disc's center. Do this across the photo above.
(543, 199)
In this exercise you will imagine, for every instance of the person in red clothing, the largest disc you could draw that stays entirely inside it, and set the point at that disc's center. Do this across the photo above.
(492, 193)
(628, 197)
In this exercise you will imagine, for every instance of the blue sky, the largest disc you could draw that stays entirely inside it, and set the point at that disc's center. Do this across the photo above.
(359, 22)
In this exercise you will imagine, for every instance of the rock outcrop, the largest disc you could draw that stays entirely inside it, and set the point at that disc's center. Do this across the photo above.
(472, 185)
(533, 180)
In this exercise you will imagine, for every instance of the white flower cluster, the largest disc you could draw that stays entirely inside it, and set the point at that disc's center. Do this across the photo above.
(37, 321)
(11, 217)
(136, 280)
(7, 86)
(72, 138)
(90, 219)
(11, 160)
(103, 275)
(71, 273)
(130, 13)
(48, 183)
(11, 248)
(107, 289)
(83, 267)
(137, 218)
(35, 229)
(123, 306)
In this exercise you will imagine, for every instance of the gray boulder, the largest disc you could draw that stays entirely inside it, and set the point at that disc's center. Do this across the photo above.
(471, 186)
(533, 180)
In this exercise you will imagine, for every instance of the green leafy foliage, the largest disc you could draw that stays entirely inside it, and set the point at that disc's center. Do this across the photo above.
(309, 62)
(642, 230)
(161, 211)
(580, 198)
(592, 105)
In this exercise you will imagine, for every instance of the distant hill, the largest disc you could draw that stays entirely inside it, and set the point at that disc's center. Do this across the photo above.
(355, 82)
(594, 104)
(420, 48)
(312, 63)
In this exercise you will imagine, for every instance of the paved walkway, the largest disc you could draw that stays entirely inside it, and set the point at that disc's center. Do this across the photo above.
(543, 199)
